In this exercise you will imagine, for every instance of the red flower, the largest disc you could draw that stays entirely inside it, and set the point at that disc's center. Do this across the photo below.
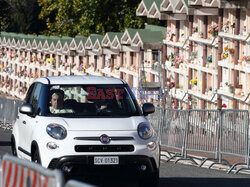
(223, 106)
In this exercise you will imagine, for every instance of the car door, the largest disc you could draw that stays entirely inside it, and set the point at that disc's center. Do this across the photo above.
(28, 122)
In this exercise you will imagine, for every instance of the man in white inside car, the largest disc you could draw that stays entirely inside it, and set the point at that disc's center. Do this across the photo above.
(57, 106)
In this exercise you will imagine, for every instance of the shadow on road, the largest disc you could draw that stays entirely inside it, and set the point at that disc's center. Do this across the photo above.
(204, 182)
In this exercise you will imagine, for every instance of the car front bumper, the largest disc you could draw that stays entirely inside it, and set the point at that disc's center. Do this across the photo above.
(80, 163)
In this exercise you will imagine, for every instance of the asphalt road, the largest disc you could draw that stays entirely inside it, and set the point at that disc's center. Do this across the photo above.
(171, 175)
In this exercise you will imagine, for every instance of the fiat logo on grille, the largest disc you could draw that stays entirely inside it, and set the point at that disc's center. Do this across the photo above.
(104, 139)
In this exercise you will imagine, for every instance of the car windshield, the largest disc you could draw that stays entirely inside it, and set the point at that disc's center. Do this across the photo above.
(90, 100)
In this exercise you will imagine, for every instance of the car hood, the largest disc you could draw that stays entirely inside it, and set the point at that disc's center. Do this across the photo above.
(99, 124)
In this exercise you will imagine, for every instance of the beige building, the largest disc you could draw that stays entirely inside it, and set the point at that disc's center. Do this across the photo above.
(201, 58)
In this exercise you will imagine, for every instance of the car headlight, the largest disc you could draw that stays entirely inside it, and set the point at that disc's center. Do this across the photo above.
(144, 130)
(56, 131)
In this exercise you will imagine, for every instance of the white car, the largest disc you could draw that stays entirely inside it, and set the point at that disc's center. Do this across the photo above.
(98, 123)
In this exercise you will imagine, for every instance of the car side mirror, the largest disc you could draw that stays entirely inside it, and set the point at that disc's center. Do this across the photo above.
(148, 108)
(26, 109)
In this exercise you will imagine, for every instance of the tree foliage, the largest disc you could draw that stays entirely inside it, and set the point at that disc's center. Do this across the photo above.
(83, 17)
(69, 17)
(21, 16)
(4, 15)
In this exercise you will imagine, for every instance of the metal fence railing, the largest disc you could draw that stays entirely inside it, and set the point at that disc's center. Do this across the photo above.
(211, 132)
(155, 119)
(234, 135)
(8, 111)
(173, 131)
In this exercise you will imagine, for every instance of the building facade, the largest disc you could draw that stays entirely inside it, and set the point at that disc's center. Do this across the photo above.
(201, 58)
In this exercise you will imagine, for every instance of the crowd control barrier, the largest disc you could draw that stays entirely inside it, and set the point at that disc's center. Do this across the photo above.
(8, 112)
(155, 119)
(235, 136)
(19, 172)
(211, 132)
(173, 132)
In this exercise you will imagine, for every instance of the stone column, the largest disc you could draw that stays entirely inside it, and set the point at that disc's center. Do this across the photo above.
(121, 59)
(220, 46)
(87, 61)
(236, 55)
(103, 61)
(190, 50)
(177, 50)
(95, 62)
(164, 74)
(112, 63)
(204, 80)
(131, 59)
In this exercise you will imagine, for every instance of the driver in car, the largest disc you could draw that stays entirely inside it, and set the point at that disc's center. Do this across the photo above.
(57, 101)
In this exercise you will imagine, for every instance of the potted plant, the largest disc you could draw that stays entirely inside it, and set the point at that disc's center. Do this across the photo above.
(230, 86)
(209, 60)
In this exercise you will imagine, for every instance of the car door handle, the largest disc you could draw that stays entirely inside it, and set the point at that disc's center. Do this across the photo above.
(24, 122)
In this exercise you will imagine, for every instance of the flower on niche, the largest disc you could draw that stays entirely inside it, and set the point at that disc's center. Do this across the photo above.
(36, 75)
(179, 59)
(225, 52)
(223, 106)
(171, 85)
(81, 67)
(194, 81)
(195, 29)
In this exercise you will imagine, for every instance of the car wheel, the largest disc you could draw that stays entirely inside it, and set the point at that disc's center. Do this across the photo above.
(13, 146)
(36, 156)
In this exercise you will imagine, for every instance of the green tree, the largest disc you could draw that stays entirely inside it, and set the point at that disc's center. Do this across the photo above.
(4, 15)
(23, 16)
(83, 17)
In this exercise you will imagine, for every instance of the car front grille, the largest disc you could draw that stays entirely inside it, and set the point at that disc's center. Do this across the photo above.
(104, 148)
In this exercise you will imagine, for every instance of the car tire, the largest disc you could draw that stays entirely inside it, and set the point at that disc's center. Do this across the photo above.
(150, 179)
(36, 156)
(13, 146)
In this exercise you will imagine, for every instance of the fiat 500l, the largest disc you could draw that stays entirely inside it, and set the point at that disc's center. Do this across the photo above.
(70, 121)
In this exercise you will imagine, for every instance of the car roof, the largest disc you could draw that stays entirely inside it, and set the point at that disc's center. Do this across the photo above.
(67, 80)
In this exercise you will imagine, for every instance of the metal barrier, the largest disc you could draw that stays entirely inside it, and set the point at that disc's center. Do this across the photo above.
(8, 110)
(173, 132)
(19, 172)
(216, 132)
(155, 119)
(203, 133)
(234, 135)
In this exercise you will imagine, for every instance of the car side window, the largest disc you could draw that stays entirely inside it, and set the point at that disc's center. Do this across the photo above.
(34, 98)
(28, 95)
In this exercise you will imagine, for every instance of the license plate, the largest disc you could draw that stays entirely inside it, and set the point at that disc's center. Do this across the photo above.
(106, 160)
